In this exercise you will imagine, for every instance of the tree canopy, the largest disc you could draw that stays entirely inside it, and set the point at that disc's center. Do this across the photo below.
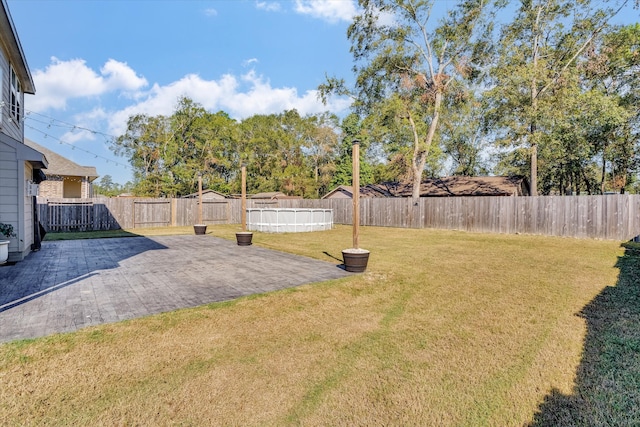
(551, 93)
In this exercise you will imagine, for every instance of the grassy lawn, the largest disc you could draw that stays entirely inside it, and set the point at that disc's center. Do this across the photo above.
(445, 328)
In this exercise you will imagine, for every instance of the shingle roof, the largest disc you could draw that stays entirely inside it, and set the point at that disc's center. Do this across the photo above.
(59, 165)
(464, 186)
(369, 191)
(273, 195)
(445, 187)
(206, 193)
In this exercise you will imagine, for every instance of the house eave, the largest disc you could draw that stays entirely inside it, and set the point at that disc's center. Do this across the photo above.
(26, 153)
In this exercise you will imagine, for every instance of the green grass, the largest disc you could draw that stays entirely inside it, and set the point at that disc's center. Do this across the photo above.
(445, 328)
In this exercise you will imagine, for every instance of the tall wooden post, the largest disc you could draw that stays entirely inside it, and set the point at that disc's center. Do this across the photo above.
(356, 193)
(244, 198)
(199, 198)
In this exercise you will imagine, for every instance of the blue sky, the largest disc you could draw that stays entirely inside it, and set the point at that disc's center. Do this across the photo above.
(97, 62)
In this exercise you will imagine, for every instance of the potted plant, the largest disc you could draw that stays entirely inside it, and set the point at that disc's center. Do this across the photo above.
(355, 259)
(6, 230)
(200, 229)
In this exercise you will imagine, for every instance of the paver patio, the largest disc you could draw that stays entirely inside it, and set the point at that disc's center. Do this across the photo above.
(68, 285)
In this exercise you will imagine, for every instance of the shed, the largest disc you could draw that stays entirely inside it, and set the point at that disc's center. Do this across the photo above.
(206, 195)
(368, 191)
(273, 195)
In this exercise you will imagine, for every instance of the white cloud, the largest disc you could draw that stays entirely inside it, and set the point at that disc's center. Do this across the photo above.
(328, 10)
(269, 6)
(248, 62)
(76, 135)
(119, 76)
(65, 80)
(74, 83)
(239, 97)
(210, 12)
(85, 123)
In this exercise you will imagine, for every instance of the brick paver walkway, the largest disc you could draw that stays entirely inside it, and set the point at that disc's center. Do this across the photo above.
(69, 285)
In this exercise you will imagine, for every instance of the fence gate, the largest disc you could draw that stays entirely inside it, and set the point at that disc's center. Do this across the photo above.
(70, 216)
(151, 213)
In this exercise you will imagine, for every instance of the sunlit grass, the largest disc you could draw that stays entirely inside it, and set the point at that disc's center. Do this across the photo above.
(444, 328)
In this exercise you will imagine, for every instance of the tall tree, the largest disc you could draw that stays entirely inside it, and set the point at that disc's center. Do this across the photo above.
(398, 53)
(168, 153)
(463, 136)
(145, 144)
(538, 51)
(351, 130)
(322, 148)
(276, 150)
(611, 69)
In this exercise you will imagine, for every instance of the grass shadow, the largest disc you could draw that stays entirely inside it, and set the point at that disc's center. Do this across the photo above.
(77, 235)
(607, 386)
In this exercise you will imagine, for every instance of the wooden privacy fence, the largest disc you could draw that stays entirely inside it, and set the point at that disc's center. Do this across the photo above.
(68, 215)
(116, 213)
(615, 217)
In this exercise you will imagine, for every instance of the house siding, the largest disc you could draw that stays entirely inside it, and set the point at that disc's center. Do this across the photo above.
(10, 210)
(58, 187)
(51, 188)
(17, 161)
(27, 202)
(8, 125)
(9, 190)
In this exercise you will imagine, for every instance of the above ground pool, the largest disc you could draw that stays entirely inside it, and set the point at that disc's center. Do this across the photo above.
(274, 220)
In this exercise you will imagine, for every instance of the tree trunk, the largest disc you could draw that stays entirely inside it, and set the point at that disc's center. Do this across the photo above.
(604, 172)
(534, 103)
(420, 151)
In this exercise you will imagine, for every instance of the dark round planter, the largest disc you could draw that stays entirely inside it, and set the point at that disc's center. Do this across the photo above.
(355, 260)
(244, 238)
(199, 229)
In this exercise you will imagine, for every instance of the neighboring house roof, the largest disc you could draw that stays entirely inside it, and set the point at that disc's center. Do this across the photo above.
(59, 165)
(273, 195)
(465, 186)
(346, 192)
(451, 186)
(206, 194)
(9, 36)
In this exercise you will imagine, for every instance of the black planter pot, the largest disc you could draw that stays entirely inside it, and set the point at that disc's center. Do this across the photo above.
(244, 238)
(355, 260)
(199, 229)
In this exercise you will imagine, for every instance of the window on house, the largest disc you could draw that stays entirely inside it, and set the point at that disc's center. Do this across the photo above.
(16, 96)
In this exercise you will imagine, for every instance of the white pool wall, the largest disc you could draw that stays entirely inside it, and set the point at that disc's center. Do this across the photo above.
(289, 220)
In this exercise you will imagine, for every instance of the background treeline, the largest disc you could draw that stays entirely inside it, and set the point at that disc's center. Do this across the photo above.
(553, 94)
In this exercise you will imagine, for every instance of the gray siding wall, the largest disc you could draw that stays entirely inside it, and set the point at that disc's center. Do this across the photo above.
(8, 125)
(9, 189)
(27, 202)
